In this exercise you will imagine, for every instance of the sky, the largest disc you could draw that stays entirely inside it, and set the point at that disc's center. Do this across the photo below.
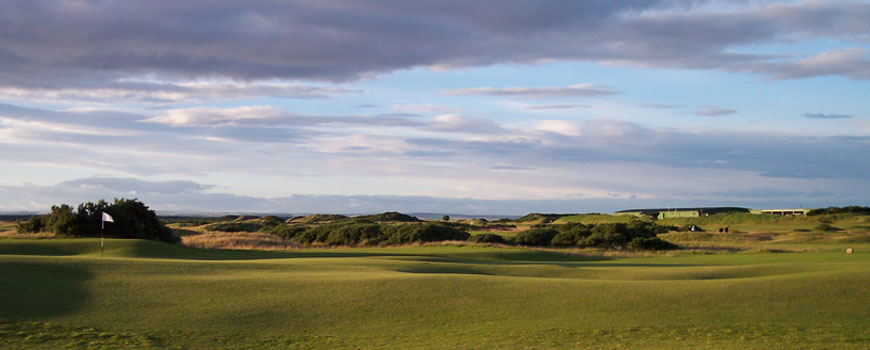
(468, 107)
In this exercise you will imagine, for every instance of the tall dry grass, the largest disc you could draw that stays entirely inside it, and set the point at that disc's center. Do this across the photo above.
(237, 240)
(16, 234)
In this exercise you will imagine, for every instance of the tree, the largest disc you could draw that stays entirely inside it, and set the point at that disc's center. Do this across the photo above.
(445, 218)
(132, 219)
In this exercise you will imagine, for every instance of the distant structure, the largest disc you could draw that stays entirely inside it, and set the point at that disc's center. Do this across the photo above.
(666, 213)
(784, 212)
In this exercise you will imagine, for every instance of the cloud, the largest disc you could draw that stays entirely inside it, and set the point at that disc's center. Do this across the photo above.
(578, 90)
(552, 107)
(151, 92)
(420, 109)
(826, 116)
(134, 186)
(463, 124)
(187, 197)
(208, 116)
(288, 153)
(265, 40)
(850, 62)
(715, 112)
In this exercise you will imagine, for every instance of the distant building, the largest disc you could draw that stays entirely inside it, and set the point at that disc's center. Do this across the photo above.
(784, 212)
(667, 213)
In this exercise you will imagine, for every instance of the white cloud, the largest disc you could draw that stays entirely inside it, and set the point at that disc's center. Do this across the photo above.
(564, 127)
(209, 116)
(464, 125)
(578, 90)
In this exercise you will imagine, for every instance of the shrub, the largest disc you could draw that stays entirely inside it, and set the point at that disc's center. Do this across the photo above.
(234, 226)
(318, 218)
(604, 239)
(341, 233)
(826, 219)
(538, 237)
(63, 220)
(271, 220)
(388, 217)
(826, 228)
(568, 238)
(487, 238)
(284, 230)
(836, 210)
(650, 243)
(33, 225)
(426, 232)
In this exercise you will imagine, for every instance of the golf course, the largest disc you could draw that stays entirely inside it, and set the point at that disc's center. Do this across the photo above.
(782, 286)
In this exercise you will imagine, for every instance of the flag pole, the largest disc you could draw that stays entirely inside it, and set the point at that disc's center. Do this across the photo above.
(103, 218)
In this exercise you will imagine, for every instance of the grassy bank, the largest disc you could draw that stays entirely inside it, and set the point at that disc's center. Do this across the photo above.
(59, 293)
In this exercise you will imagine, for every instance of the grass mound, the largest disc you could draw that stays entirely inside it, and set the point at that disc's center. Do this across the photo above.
(388, 217)
(597, 219)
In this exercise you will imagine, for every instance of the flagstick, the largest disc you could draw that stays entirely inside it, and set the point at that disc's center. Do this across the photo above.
(102, 236)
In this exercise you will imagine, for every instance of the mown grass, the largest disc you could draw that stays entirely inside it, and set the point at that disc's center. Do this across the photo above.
(60, 293)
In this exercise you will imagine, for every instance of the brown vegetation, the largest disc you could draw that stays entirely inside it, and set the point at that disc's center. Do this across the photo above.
(237, 240)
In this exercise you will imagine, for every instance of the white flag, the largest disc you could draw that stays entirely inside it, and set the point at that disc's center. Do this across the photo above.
(107, 217)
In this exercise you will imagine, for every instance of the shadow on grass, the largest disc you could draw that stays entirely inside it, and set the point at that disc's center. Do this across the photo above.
(443, 269)
(35, 249)
(149, 249)
(33, 290)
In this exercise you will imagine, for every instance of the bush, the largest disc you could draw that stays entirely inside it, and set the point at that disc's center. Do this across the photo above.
(606, 235)
(836, 210)
(604, 239)
(32, 225)
(63, 220)
(568, 238)
(426, 232)
(388, 217)
(538, 237)
(355, 232)
(651, 243)
(271, 220)
(341, 233)
(826, 228)
(234, 226)
(284, 230)
(487, 238)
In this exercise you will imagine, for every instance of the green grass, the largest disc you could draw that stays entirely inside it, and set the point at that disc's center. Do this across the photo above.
(59, 293)
(597, 219)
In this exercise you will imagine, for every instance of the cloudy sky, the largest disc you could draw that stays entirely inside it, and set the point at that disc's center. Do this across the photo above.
(476, 107)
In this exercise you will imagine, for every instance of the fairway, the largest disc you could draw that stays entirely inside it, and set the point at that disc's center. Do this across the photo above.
(59, 293)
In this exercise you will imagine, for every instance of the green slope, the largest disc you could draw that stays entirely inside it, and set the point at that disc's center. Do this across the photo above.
(60, 293)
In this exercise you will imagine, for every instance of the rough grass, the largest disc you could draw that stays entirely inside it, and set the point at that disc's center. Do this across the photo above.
(60, 294)
(236, 240)
(598, 219)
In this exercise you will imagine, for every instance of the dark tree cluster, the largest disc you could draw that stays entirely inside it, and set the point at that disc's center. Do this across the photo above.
(837, 210)
(132, 219)
(637, 235)
(363, 232)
